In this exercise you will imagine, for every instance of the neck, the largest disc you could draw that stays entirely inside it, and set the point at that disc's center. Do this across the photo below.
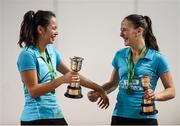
(41, 47)
(136, 50)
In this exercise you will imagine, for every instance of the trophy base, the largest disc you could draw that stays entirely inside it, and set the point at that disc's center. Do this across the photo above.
(149, 113)
(73, 92)
(148, 109)
(73, 96)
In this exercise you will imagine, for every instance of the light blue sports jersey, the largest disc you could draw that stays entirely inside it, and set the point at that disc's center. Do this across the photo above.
(45, 106)
(153, 64)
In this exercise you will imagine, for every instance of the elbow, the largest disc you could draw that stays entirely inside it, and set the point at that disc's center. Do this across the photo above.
(32, 94)
(173, 94)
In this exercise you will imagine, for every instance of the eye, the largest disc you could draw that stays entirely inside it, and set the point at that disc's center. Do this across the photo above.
(55, 27)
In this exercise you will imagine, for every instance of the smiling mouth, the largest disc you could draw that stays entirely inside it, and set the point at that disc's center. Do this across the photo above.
(125, 39)
(53, 37)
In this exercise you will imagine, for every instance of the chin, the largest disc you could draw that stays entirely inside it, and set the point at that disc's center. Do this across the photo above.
(126, 44)
(50, 42)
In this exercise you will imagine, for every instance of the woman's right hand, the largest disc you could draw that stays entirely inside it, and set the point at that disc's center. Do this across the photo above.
(71, 77)
(103, 100)
(93, 96)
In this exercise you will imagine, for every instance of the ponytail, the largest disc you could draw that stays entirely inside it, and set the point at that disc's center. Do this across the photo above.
(26, 31)
(150, 39)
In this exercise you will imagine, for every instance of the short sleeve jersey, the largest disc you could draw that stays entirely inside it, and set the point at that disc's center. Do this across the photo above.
(45, 106)
(153, 64)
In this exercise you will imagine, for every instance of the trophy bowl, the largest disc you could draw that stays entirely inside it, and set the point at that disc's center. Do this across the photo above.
(74, 88)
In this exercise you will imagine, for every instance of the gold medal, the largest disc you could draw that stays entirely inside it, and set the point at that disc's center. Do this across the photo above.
(129, 90)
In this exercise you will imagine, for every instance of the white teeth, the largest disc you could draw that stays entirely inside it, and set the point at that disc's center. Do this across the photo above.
(53, 38)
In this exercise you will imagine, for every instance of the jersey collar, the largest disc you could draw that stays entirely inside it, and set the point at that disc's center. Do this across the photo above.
(149, 55)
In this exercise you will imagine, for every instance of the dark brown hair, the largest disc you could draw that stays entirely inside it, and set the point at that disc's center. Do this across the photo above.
(31, 20)
(146, 24)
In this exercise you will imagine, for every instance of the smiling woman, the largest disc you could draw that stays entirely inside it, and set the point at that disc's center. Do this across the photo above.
(38, 63)
(141, 60)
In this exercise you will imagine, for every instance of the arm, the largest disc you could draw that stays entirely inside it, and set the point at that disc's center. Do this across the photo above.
(62, 68)
(90, 84)
(35, 89)
(104, 102)
(169, 90)
(112, 84)
(167, 93)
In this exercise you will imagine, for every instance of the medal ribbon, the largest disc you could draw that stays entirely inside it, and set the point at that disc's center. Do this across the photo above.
(131, 73)
(49, 65)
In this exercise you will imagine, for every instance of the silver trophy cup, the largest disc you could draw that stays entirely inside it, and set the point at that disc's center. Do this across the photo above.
(74, 89)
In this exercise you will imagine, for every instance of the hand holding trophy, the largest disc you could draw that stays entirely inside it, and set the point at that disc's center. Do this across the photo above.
(74, 88)
(148, 106)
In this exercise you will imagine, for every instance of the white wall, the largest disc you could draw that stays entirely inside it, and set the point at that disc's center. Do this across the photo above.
(0, 60)
(88, 28)
(178, 59)
(164, 15)
(11, 92)
(91, 29)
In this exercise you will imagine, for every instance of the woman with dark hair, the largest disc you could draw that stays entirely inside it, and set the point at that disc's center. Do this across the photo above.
(141, 58)
(38, 64)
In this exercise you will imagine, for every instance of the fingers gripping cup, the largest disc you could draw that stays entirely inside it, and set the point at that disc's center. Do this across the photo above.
(74, 88)
(148, 106)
